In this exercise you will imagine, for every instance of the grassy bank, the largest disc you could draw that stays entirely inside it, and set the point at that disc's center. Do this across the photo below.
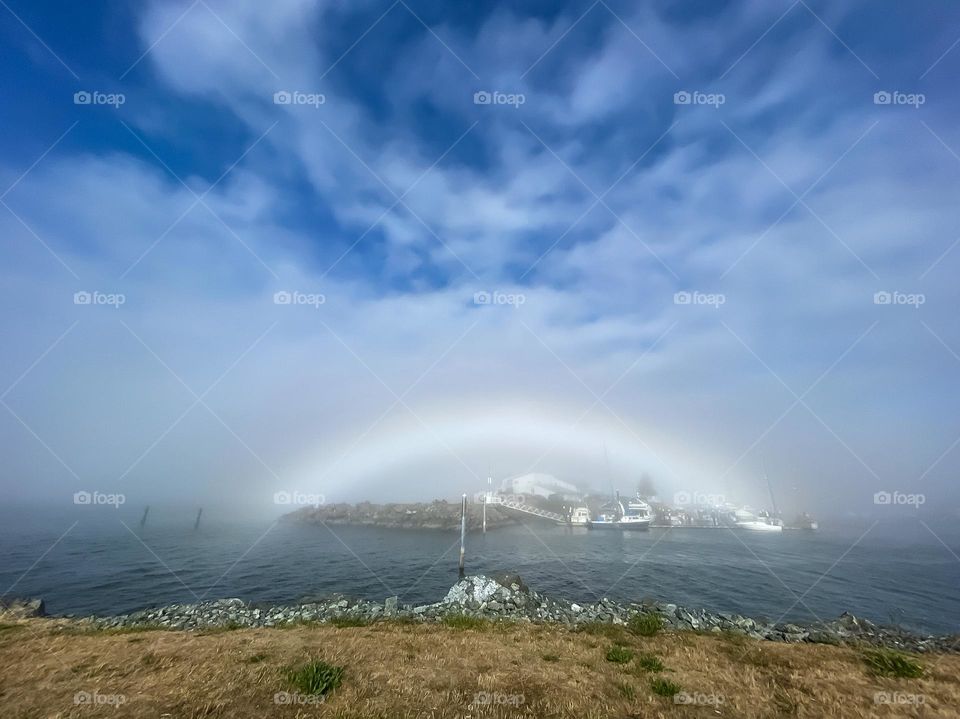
(465, 669)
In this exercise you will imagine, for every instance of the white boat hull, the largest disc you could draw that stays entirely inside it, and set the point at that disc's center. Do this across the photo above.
(759, 527)
(636, 526)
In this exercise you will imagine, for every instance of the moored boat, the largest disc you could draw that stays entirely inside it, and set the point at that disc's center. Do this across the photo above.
(635, 516)
(804, 521)
(760, 522)
(580, 516)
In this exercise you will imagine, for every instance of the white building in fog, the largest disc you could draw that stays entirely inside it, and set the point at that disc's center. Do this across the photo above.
(537, 484)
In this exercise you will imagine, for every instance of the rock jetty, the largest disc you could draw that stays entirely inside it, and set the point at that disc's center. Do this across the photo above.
(506, 598)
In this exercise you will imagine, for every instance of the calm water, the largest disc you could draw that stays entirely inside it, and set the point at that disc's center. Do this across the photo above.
(898, 571)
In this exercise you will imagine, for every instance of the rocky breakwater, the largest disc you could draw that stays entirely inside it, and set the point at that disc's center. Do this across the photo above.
(438, 514)
(505, 597)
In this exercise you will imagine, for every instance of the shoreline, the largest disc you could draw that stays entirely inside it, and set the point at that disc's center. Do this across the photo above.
(456, 669)
(499, 598)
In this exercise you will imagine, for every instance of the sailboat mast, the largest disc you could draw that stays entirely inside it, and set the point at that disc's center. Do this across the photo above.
(773, 502)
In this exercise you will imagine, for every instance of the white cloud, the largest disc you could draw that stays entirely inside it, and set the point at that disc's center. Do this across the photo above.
(598, 300)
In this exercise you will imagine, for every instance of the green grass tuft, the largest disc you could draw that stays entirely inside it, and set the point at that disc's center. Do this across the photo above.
(619, 655)
(645, 625)
(664, 687)
(626, 691)
(888, 663)
(464, 621)
(649, 663)
(315, 678)
(614, 632)
(343, 622)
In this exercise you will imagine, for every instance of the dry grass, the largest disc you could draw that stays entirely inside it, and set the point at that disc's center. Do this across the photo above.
(430, 671)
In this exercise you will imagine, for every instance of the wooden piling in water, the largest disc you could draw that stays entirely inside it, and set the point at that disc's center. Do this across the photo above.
(463, 530)
(196, 524)
(143, 519)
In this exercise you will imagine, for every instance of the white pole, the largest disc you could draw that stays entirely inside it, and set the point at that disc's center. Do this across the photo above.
(463, 529)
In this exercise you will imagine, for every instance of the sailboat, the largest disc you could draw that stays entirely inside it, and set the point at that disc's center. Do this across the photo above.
(761, 521)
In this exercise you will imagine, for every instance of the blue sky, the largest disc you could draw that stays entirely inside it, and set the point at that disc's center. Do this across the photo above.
(780, 200)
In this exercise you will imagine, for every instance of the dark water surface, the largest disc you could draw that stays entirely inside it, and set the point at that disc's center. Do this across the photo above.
(898, 571)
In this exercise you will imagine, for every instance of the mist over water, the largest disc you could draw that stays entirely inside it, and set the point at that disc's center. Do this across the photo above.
(897, 572)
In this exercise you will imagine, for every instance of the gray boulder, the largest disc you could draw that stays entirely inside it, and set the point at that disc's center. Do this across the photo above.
(510, 580)
(22, 608)
(390, 605)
